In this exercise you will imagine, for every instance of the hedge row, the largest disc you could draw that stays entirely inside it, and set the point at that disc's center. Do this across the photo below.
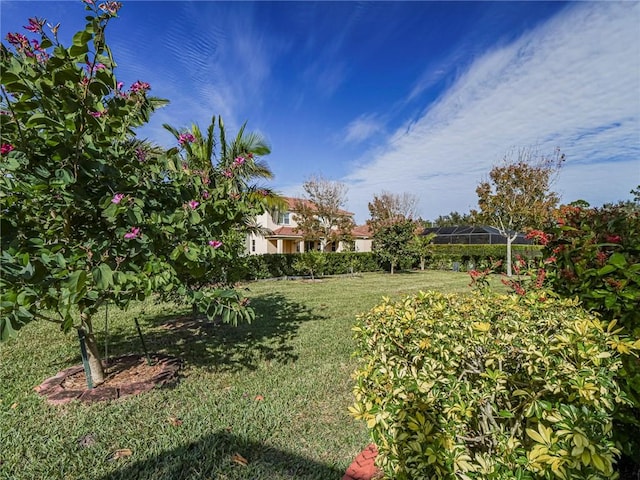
(444, 257)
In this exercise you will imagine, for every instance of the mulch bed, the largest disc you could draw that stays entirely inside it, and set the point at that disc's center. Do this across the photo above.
(125, 376)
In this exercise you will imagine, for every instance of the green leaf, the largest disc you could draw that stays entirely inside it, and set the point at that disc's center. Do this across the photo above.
(78, 50)
(606, 269)
(103, 276)
(6, 329)
(618, 260)
(81, 38)
(40, 119)
(75, 282)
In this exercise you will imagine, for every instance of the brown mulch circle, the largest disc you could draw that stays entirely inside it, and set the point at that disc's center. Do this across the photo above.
(125, 376)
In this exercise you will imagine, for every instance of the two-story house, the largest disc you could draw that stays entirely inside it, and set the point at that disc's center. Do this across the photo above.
(285, 239)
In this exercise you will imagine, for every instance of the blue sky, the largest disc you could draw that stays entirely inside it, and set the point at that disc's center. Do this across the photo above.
(417, 97)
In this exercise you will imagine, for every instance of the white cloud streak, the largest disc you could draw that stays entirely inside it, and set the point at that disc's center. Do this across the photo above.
(572, 83)
(362, 128)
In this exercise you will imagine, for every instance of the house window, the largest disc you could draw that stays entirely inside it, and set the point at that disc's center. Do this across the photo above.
(283, 218)
(253, 245)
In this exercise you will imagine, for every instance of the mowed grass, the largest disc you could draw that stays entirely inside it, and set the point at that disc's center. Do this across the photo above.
(274, 393)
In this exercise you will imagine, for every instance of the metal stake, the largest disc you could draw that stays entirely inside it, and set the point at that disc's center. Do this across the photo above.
(85, 358)
(144, 347)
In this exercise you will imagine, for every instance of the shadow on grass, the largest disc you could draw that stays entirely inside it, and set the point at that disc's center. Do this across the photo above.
(222, 455)
(219, 346)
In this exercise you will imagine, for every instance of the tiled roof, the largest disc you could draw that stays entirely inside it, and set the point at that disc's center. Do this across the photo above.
(361, 231)
(286, 232)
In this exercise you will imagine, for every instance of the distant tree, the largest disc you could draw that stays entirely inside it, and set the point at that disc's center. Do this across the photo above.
(320, 215)
(391, 243)
(517, 196)
(311, 262)
(388, 208)
(421, 246)
(453, 219)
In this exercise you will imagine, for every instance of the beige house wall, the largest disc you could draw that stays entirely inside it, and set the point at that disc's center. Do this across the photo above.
(291, 242)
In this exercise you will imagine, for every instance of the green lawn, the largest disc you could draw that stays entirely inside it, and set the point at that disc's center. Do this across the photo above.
(297, 355)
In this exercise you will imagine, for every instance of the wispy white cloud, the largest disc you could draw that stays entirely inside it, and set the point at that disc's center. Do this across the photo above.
(221, 68)
(362, 128)
(571, 83)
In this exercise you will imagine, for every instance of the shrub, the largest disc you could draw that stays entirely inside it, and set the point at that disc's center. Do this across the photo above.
(312, 262)
(597, 259)
(488, 387)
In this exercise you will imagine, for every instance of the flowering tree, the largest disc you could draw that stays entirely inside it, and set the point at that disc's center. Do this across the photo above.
(89, 214)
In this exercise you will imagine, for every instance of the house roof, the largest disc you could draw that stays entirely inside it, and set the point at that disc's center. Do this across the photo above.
(285, 232)
(361, 231)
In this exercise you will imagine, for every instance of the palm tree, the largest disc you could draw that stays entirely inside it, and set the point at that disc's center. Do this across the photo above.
(239, 160)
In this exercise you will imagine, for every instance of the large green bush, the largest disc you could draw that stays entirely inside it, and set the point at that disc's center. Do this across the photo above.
(488, 387)
(597, 259)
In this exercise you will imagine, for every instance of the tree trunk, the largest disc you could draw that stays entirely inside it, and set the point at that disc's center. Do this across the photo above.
(93, 354)
(392, 267)
(509, 240)
(422, 261)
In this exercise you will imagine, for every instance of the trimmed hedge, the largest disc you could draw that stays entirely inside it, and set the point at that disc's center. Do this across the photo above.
(488, 387)
(282, 265)
(469, 257)
(444, 257)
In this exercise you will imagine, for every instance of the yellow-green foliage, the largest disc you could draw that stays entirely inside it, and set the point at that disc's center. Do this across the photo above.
(488, 387)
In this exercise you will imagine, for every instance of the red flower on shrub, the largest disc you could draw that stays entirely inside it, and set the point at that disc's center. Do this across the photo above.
(538, 235)
(6, 148)
(613, 238)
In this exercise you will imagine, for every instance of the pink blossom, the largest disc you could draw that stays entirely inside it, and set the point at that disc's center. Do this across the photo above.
(111, 7)
(238, 161)
(35, 25)
(140, 86)
(36, 46)
(205, 195)
(98, 114)
(193, 204)
(6, 148)
(18, 40)
(133, 233)
(186, 138)
(117, 198)
(119, 85)
(141, 154)
(215, 243)
(227, 173)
